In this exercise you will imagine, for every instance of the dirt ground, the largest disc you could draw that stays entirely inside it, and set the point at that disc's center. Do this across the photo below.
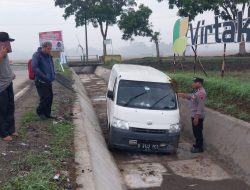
(35, 138)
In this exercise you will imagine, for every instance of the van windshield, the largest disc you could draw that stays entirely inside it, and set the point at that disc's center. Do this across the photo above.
(146, 95)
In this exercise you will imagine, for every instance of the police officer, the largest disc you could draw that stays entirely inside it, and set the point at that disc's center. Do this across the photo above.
(197, 104)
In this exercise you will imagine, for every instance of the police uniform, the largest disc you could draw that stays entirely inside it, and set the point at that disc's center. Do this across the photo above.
(197, 106)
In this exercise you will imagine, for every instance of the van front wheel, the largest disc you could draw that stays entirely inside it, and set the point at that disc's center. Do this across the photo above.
(108, 141)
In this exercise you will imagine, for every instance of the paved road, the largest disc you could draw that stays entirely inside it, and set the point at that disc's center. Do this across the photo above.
(21, 77)
(183, 171)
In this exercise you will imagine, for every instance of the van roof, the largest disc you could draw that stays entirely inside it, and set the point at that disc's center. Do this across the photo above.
(140, 73)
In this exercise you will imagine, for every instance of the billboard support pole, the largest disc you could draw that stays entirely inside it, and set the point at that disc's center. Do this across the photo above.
(197, 58)
(86, 39)
(203, 69)
(180, 62)
(224, 61)
(195, 55)
(174, 62)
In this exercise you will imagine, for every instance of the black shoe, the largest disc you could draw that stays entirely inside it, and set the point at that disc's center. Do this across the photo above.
(197, 150)
(51, 117)
(42, 117)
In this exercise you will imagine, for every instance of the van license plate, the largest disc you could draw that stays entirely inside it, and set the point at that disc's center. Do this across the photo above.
(148, 147)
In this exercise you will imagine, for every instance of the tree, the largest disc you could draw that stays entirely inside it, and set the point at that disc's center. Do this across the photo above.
(136, 23)
(156, 39)
(101, 13)
(226, 9)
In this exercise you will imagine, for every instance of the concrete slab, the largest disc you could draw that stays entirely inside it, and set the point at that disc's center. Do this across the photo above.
(203, 169)
(227, 136)
(105, 173)
(85, 178)
(143, 175)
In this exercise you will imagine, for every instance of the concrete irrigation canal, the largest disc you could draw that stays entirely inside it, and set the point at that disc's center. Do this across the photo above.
(139, 170)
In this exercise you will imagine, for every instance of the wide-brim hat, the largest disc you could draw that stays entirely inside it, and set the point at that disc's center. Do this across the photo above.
(4, 37)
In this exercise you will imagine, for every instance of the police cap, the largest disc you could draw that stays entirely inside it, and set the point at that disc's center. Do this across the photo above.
(198, 79)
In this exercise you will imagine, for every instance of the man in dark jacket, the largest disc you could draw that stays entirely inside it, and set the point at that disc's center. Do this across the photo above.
(7, 105)
(43, 67)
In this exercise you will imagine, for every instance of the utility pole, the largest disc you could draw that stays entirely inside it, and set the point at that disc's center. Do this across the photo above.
(86, 39)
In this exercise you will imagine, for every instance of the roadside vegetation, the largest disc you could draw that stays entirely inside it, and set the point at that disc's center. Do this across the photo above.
(44, 153)
(110, 64)
(36, 169)
(66, 73)
(230, 95)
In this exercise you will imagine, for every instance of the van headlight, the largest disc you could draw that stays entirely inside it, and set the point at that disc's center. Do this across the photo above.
(175, 128)
(117, 123)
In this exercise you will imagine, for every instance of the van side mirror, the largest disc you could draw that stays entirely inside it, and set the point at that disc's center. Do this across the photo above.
(110, 95)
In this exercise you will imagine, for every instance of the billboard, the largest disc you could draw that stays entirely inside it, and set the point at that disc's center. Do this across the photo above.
(55, 37)
(180, 40)
(230, 31)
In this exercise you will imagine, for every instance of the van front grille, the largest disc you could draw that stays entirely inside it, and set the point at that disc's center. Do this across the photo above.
(149, 131)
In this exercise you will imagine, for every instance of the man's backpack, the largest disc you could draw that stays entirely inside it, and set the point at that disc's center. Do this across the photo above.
(32, 75)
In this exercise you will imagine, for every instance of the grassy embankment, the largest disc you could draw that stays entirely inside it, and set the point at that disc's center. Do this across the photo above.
(37, 166)
(230, 95)
(42, 166)
(66, 73)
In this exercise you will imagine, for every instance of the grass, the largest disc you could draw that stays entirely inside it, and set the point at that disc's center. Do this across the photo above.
(66, 73)
(110, 64)
(37, 166)
(38, 174)
(40, 167)
(28, 118)
(244, 116)
(191, 58)
(61, 132)
(38, 179)
(230, 95)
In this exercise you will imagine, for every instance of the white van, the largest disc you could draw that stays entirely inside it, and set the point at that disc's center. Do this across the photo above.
(142, 109)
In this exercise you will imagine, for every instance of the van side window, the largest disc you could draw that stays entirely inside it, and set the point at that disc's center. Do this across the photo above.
(114, 88)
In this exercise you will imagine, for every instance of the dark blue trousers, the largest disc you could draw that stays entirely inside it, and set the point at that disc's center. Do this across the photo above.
(45, 93)
(198, 133)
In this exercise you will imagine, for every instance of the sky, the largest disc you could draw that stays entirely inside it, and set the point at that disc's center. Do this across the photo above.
(24, 19)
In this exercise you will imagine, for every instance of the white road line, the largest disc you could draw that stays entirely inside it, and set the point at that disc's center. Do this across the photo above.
(21, 93)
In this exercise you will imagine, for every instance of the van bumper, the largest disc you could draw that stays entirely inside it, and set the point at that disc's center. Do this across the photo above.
(121, 139)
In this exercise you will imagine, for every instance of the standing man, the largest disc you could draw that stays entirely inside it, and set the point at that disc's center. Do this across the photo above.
(7, 105)
(43, 67)
(197, 101)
